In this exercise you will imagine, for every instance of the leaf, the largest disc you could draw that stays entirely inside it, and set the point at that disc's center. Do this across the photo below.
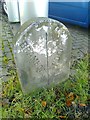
(62, 116)
(82, 104)
(70, 96)
(21, 109)
(44, 103)
(68, 103)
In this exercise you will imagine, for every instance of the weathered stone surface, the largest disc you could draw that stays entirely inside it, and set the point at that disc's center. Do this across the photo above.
(42, 53)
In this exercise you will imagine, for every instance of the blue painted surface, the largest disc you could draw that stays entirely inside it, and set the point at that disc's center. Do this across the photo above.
(72, 12)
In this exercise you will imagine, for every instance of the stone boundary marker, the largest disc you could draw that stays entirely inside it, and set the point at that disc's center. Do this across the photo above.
(8, 30)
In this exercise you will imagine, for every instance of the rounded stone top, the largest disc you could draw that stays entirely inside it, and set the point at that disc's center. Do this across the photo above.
(42, 53)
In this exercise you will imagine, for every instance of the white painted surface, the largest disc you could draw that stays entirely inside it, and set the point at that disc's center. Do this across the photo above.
(32, 8)
(13, 10)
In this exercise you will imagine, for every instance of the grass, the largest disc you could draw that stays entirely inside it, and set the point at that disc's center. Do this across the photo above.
(58, 102)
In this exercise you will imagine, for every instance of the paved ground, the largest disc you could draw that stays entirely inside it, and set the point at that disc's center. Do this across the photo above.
(8, 30)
